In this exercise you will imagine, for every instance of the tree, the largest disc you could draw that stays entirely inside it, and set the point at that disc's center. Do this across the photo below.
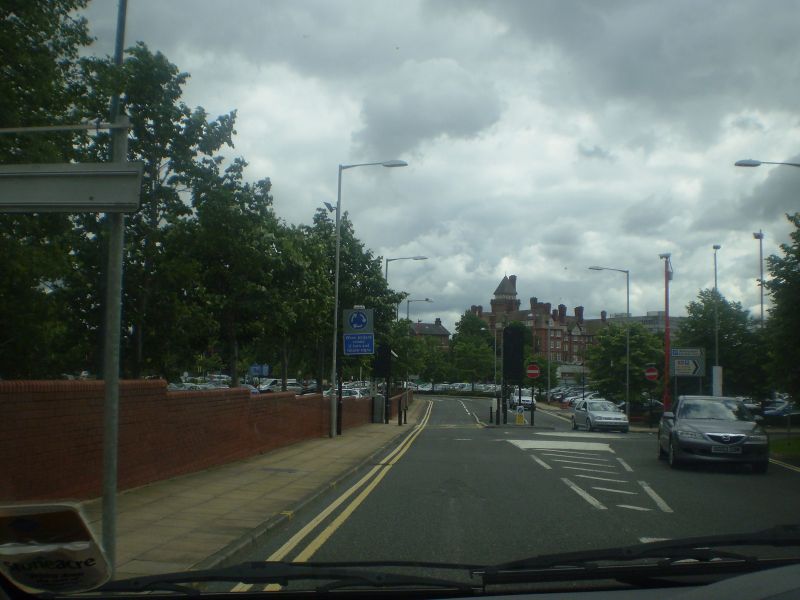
(178, 147)
(741, 348)
(607, 366)
(435, 365)
(39, 45)
(783, 326)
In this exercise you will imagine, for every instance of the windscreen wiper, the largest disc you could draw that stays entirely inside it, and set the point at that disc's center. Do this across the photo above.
(689, 555)
(336, 575)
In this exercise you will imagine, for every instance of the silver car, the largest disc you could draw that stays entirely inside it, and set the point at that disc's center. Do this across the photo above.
(597, 413)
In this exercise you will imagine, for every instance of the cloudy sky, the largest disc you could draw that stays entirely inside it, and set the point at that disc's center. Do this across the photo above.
(542, 136)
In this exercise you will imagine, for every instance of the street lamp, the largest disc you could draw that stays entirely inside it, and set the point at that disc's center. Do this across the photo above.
(716, 383)
(760, 237)
(409, 301)
(388, 260)
(749, 162)
(666, 399)
(388, 163)
(627, 333)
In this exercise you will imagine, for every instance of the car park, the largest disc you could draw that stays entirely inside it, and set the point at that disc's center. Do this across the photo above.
(597, 414)
(712, 429)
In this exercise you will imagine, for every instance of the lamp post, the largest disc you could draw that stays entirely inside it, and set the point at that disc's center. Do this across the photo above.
(408, 304)
(760, 237)
(666, 399)
(749, 162)
(388, 163)
(716, 383)
(627, 333)
(386, 274)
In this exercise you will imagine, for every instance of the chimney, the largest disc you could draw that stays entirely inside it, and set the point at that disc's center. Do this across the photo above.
(534, 302)
(438, 321)
(603, 315)
(562, 313)
(554, 315)
(579, 314)
(548, 308)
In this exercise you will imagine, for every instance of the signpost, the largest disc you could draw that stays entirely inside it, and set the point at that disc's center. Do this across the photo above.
(359, 337)
(651, 373)
(688, 362)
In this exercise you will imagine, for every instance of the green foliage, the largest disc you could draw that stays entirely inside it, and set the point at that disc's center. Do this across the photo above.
(606, 360)
(783, 326)
(741, 347)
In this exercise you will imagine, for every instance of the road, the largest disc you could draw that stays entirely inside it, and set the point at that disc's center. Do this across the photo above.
(459, 491)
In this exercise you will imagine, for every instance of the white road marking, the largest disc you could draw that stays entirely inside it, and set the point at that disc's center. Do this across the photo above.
(601, 478)
(578, 462)
(634, 507)
(462, 440)
(592, 470)
(655, 497)
(581, 434)
(603, 489)
(600, 461)
(584, 494)
(465, 407)
(625, 465)
(649, 540)
(553, 445)
(573, 454)
(541, 462)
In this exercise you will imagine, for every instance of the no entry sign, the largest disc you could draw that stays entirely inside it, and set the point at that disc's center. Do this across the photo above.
(533, 371)
(651, 373)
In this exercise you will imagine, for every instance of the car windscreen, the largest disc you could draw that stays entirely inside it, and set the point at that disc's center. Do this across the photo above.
(718, 410)
(602, 406)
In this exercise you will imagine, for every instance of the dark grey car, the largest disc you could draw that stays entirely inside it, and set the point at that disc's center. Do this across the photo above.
(712, 429)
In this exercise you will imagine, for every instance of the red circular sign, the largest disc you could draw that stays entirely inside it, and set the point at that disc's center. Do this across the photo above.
(651, 373)
(533, 371)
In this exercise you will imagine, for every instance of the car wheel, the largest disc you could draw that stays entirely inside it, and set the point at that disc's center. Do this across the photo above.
(625, 430)
(760, 467)
(574, 424)
(671, 458)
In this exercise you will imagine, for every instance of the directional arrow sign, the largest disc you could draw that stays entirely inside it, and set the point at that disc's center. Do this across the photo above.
(688, 362)
(687, 367)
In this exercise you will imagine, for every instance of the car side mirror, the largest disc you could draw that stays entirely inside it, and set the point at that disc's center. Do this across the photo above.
(668, 415)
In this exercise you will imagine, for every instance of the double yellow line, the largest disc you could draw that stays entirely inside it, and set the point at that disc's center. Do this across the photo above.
(369, 482)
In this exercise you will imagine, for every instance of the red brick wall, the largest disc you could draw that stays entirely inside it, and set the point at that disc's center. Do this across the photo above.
(51, 432)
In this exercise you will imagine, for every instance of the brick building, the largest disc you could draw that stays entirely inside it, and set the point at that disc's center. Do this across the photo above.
(435, 330)
(570, 335)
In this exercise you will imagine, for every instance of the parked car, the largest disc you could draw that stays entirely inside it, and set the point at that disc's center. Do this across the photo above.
(712, 429)
(598, 413)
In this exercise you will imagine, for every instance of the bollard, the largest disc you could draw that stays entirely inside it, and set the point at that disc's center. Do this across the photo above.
(491, 414)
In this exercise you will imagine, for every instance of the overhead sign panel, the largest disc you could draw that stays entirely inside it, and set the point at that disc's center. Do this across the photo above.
(85, 187)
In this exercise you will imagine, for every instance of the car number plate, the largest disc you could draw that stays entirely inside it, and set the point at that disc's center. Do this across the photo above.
(726, 449)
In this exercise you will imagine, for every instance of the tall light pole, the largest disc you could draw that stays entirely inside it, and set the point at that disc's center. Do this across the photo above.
(388, 260)
(760, 237)
(716, 384)
(666, 398)
(388, 163)
(410, 300)
(627, 333)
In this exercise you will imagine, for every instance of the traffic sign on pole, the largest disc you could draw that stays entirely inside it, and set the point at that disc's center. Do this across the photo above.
(533, 371)
(651, 373)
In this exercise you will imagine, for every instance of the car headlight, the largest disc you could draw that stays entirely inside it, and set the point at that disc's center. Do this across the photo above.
(689, 435)
(758, 437)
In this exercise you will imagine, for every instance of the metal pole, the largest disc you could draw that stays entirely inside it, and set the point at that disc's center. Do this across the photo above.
(408, 304)
(333, 398)
(667, 401)
(716, 311)
(113, 309)
(548, 358)
(628, 345)
(760, 237)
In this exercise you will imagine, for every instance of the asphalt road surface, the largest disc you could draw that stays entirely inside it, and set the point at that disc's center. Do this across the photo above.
(457, 490)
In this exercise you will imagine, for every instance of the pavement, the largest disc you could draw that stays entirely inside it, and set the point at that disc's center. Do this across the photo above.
(214, 517)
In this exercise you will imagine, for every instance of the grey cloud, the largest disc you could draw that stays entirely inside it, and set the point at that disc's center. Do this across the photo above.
(423, 101)
(595, 152)
(748, 123)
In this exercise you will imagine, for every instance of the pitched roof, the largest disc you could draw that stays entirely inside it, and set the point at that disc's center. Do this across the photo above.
(429, 329)
(506, 288)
